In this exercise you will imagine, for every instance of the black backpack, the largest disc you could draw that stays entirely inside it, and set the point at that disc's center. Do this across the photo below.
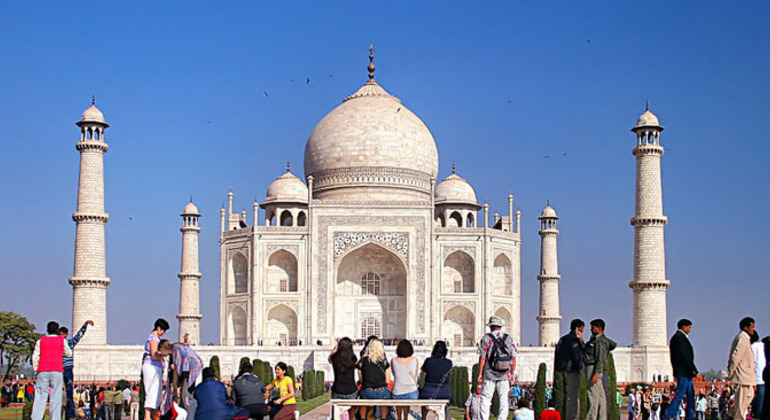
(499, 357)
(562, 357)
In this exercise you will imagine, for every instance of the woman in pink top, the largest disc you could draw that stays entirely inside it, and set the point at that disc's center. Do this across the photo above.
(152, 368)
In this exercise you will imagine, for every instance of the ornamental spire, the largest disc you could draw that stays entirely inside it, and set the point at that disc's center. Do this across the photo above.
(371, 62)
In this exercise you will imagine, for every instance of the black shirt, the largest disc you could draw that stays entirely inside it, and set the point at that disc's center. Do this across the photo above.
(373, 373)
(435, 368)
(344, 382)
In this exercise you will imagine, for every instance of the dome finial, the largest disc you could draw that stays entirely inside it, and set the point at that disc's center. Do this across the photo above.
(191, 198)
(548, 202)
(646, 105)
(288, 165)
(93, 99)
(371, 62)
(454, 169)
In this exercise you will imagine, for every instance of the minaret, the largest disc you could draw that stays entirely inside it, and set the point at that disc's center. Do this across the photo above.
(89, 278)
(189, 278)
(649, 283)
(549, 277)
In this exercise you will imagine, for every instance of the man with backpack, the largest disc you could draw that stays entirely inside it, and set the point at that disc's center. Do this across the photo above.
(497, 361)
(568, 358)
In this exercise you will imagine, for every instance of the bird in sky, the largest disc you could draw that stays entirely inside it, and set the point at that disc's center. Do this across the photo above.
(307, 80)
(546, 157)
(266, 95)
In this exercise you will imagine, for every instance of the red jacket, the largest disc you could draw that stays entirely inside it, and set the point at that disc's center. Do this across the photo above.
(51, 353)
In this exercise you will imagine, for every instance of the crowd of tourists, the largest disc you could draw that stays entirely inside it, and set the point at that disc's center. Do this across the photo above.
(743, 397)
(192, 390)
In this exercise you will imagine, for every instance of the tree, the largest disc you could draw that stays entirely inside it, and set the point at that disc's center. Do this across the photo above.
(214, 364)
(290, 374)
(461, 385)
(583, 397)
(560, 392)
(243, 361)
(17, 341)
(609, 367)
(540, 403)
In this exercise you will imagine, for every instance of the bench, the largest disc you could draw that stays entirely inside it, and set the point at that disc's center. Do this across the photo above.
(436, 407)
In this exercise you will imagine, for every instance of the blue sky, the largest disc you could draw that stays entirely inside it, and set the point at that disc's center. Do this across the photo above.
(500, 84)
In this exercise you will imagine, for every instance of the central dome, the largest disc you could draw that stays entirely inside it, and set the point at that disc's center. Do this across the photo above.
(370, 146)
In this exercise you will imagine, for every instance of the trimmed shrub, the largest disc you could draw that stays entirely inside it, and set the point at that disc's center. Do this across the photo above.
(242, 362)
(268, 372)
(320, 383)
(26, 412)
(290, 374)
(612, 385)
(540, 402)
(257, 368)
(583, 397)
(214, 364)
(560, 392)
(463, 388)
(308, 384)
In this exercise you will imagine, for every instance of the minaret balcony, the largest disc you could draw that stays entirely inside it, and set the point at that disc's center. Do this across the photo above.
(90, 217)
(90, 282)
(648, 149)
(92, 145)
(649, 221)
(649, 285)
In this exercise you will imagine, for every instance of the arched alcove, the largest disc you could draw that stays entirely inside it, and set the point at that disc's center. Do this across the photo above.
(458, 273)
(282, 325)
(282, 271)
(502, 277)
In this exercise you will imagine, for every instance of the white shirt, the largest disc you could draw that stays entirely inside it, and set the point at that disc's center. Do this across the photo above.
(758, 349)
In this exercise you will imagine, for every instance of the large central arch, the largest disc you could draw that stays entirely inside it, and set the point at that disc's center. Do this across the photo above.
(370, 294)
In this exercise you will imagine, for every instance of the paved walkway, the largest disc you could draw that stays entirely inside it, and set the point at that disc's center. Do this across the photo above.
(319, 413)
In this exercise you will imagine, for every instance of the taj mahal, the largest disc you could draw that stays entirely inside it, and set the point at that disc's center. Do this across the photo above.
(368, 241)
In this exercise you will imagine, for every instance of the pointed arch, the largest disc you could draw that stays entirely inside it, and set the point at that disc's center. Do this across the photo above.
(502, 277)
(505, 315)
(237, 326)
(459, 273)
(282, 269)
(457, 326)
(238, 274)
(455, 219)
(282, 325)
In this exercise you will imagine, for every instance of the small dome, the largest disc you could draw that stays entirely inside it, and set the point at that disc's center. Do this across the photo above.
(287, 188)
(190, 210)
(455, 189)
(548, 212)
(93, 115)
(648, 118)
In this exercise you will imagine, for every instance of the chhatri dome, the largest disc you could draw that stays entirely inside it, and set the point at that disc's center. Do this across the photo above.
(190, 209)
(287, 188)
(548, 212)
(372, 148)
(454, 189)
(93, 115)
(647, 118)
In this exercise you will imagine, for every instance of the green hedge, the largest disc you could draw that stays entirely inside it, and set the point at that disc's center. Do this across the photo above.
(560, 392)
(540, 402)
(214, 364)
(609, 367)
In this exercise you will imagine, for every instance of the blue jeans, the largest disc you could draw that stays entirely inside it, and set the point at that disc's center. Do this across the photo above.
(352, 396)
(375, 394)
(43, 381)
(759, 396)
(408, 396)
(68, 380)
(684, 390)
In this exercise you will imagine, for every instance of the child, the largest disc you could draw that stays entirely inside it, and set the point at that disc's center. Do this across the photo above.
(473, 405)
